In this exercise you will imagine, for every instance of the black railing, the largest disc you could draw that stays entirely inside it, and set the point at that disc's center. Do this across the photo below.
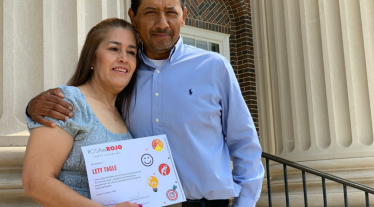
(323, 175)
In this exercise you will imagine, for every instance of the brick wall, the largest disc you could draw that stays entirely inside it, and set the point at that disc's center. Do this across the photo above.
(231, 17)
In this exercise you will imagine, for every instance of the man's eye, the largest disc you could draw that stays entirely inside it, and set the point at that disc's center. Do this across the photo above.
(173, 12)
(151, 12)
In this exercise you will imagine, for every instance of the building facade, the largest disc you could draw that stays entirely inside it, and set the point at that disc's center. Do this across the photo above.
(40, 45)
(305, 68)
(315, 83)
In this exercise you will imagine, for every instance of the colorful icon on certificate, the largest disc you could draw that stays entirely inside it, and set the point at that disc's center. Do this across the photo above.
(172, 194)
(164, 169)
(153, 183)
(157, 145)
(147, 160)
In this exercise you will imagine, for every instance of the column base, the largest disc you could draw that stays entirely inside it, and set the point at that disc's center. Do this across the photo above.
(17, 200)
(11, 190)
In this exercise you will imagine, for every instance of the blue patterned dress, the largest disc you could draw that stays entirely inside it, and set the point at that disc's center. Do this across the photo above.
(86, 130)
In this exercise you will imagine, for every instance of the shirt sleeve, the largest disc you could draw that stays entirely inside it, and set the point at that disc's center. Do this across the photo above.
(80, 123)
(241, 137)
(28, 118)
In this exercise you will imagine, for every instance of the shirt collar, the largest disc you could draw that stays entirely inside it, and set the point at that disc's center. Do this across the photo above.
(176, 51)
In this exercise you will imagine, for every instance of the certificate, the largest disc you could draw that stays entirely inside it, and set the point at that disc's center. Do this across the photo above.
(139, 170)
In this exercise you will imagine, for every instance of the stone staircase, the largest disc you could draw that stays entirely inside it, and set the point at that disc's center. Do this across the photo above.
(11, 190)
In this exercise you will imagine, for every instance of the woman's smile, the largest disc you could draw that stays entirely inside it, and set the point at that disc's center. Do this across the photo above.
(121, 70)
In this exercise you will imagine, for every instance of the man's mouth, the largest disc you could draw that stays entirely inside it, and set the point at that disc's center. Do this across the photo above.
(161, 35)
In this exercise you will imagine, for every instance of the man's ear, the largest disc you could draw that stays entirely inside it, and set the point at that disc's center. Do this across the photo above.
(132, 17)
(184, 16)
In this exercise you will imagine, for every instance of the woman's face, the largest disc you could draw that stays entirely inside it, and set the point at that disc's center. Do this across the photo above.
(115, 60)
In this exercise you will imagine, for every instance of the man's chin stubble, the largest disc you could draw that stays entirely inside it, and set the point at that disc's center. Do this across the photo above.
(160, 48)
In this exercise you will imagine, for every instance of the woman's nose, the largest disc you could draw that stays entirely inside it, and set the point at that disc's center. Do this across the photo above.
(122, 57)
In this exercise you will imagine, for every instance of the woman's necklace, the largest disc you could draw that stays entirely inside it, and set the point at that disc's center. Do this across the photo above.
(114, 115)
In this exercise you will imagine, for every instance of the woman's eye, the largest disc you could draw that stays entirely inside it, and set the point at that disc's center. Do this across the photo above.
(113, 49)
(131, 53)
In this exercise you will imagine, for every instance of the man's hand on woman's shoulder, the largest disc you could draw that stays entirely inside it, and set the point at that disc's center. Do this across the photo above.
(49, 103)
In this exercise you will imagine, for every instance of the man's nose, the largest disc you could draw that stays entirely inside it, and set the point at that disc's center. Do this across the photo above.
(162, 21)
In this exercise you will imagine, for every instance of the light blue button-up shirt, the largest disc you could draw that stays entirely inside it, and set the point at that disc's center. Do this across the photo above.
(195, 99)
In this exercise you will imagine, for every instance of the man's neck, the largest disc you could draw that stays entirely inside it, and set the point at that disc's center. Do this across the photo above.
(156, 55)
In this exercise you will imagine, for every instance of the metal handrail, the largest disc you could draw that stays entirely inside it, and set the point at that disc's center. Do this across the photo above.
(323, 175)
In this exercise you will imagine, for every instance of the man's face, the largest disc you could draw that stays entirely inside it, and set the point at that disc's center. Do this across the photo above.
(158, 23)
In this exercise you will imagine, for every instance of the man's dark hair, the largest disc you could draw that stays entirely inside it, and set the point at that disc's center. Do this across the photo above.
(135, 5)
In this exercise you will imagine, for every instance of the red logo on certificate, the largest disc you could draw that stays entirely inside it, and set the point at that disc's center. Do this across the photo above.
(164, 169)
(172, 194)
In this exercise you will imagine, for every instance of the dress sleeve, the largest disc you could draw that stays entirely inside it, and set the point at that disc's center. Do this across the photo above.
(82, 120)
(241, 137)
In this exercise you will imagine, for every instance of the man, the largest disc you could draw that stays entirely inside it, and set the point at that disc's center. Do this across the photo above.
(193, 97)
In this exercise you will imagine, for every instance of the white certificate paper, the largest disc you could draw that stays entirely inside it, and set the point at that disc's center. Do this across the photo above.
(139, 170)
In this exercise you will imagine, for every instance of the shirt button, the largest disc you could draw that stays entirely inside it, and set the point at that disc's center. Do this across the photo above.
(157, 94)
(171, 59)
(157, 120)
(158, 71)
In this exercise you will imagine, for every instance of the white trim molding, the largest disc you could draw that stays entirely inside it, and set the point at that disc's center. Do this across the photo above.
(223, 40)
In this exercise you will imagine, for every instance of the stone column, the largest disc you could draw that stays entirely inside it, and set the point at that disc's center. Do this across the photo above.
(39, 48)
(315, 76)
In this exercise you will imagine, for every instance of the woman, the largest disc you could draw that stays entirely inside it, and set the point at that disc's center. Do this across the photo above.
(54, 172)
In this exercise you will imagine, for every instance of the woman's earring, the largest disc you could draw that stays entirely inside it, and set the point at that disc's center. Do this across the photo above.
(91, 67)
